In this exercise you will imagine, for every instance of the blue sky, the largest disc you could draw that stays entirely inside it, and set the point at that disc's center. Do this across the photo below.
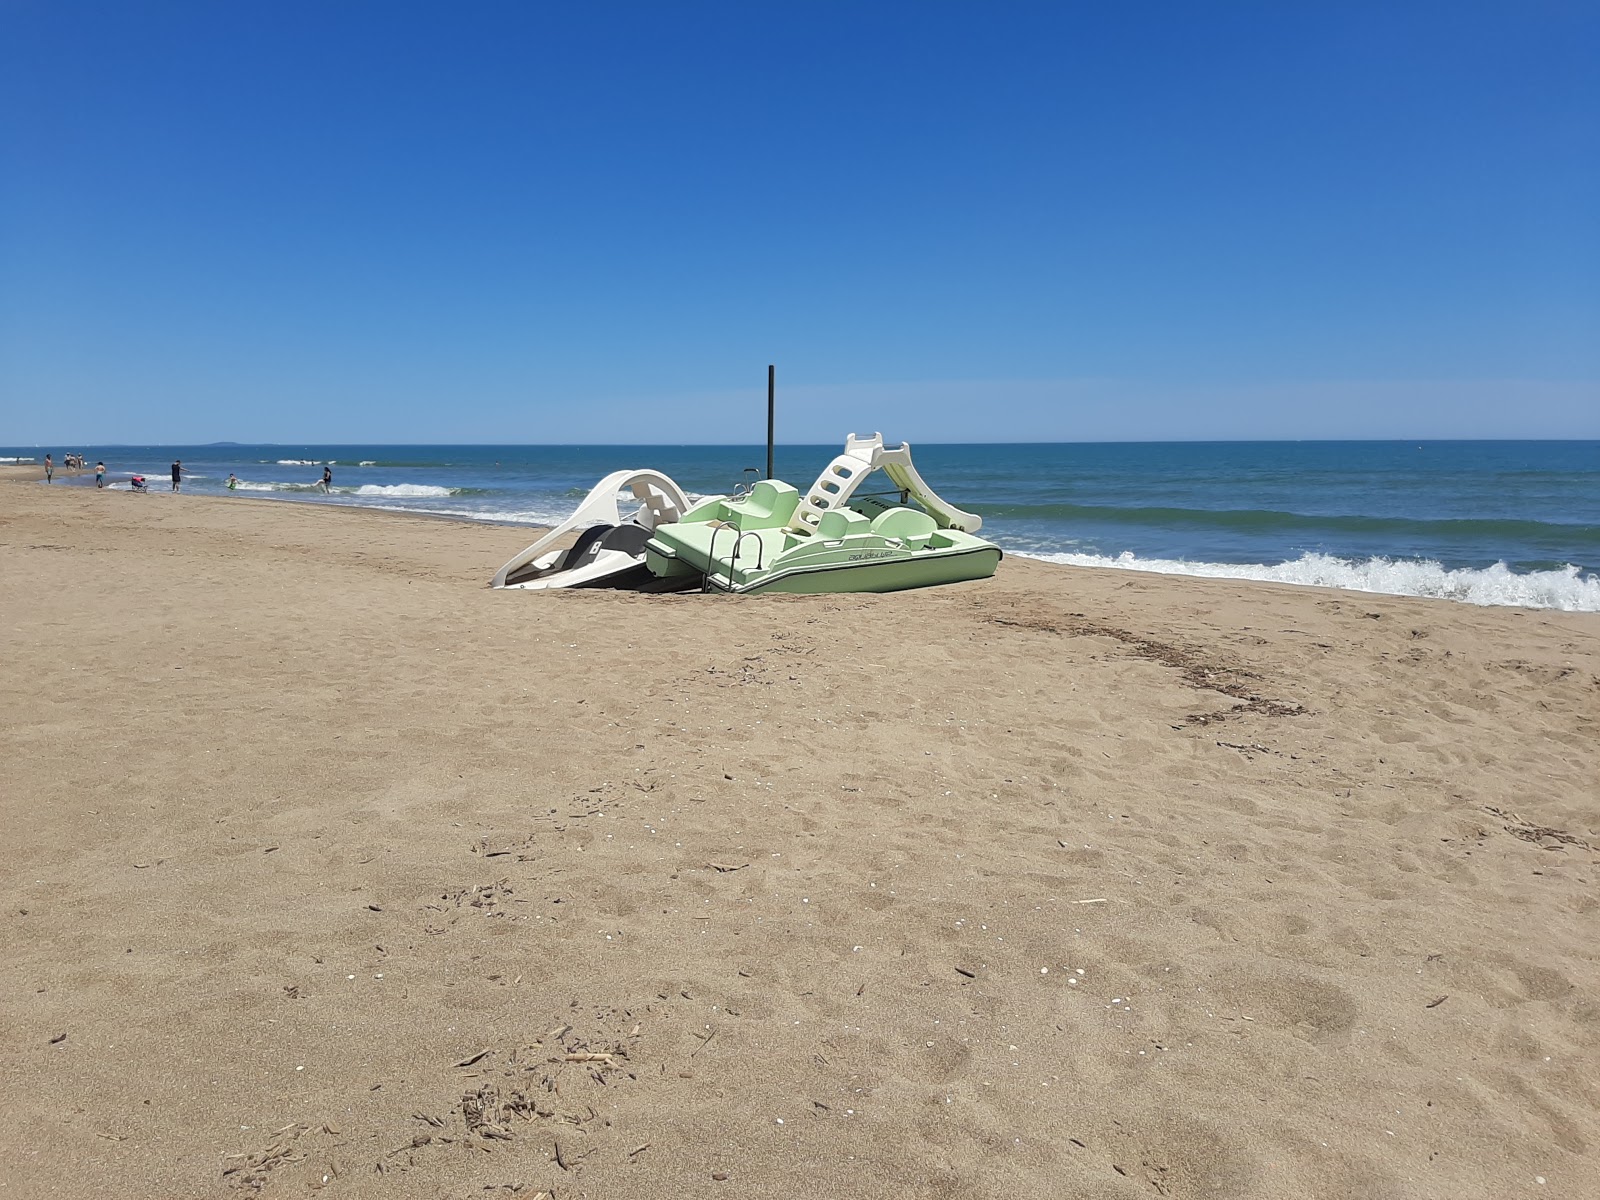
(386, 222)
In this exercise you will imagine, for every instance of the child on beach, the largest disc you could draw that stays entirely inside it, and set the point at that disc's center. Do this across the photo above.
(99, 474)
(177, 474)
(233, 482)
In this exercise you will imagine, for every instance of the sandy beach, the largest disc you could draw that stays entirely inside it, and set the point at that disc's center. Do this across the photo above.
(327, 868)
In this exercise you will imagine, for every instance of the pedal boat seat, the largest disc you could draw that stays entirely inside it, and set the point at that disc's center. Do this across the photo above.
(908, 526)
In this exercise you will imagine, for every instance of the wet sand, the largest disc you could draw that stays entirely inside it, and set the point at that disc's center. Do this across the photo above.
(327, 868)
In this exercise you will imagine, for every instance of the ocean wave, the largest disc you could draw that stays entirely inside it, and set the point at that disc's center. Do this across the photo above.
(246, 485)
(9, 459)
(409, 490)
(299, 462)
(368, 490)
(367, 462)
(1566, 588)
(1262, 520)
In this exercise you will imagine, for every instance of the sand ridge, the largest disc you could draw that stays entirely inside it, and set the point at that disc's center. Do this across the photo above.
(340, 872)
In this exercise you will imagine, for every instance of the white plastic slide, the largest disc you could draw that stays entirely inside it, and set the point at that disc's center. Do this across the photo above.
(610, 547)
(861, 457)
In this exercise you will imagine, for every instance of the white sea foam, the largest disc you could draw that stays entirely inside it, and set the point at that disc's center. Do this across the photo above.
(1497, 585)
(366, 490)
(9, 459)
(408, 490)
(368, 462)
(299, 462)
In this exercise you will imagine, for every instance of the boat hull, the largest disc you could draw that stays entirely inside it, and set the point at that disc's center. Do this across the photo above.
(873, 571)
(918, 571)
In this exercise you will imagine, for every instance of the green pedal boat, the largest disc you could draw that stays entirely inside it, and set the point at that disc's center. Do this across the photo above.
(828, 540)
(773, 539)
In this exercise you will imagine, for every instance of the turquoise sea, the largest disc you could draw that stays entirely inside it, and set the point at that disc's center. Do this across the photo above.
(1481, 522)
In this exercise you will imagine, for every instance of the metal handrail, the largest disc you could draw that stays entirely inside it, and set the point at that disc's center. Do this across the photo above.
(711, 553)
(742, 489)
(739, 541)
(711, 557)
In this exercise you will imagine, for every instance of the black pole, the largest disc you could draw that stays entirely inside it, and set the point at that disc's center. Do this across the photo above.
(772, 380)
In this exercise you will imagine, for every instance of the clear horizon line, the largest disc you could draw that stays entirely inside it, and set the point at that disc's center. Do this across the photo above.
(222, 445)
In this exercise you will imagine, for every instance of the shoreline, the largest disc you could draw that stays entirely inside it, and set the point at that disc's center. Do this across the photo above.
(1462, 582)
(1019, 887)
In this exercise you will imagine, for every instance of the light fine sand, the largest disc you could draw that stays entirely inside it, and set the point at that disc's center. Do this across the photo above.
(326, 868)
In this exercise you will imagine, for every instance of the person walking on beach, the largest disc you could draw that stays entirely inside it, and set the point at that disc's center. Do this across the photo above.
(177, 474)
(99, 474)
(327, 480)
(49, 468)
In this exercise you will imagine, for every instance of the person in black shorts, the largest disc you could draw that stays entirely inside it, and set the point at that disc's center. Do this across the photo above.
(177, 474)
(327, 480)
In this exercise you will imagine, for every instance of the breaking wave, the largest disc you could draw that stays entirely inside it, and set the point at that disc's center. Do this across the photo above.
(246, 485)
(408, 490)
(372, 490)
(1566, 588)
(1258, 521)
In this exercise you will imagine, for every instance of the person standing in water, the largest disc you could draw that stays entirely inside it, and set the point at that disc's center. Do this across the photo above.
(49, 468)
(233, 482)
(99, 474)
(327, 480)
(177, 474)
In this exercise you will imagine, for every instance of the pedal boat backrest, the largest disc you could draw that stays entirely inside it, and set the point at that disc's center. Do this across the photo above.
(905, 525)
(770, 505)
(840, 523)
